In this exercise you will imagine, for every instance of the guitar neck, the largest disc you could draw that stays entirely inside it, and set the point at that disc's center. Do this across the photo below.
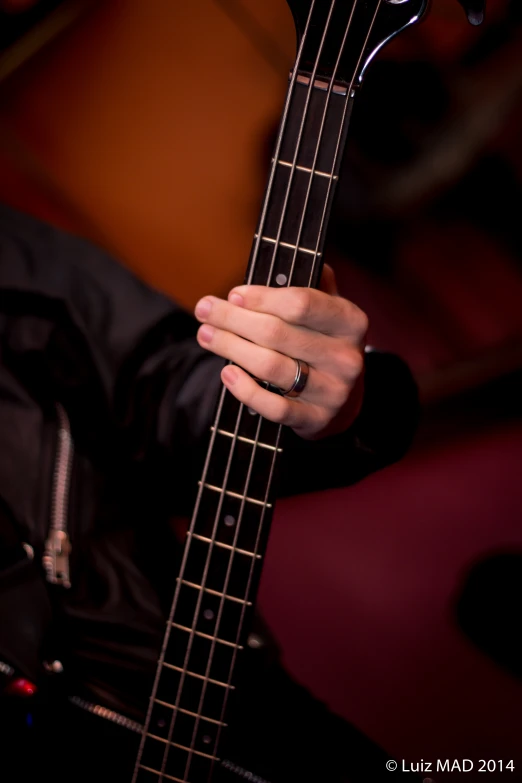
(226, 542)
(227, 538)
(288, 245)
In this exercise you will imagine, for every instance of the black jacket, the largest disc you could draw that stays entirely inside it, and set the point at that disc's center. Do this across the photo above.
(84, 343)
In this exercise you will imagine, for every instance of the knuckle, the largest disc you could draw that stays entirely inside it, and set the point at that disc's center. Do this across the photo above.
(361, 322)
(271, 368)
(222, 316)
(273, 332)
(300, 305)
(350, 363)
(282, 411)
(318, 421)
(356, 318)
(323, 420)
(339, 393)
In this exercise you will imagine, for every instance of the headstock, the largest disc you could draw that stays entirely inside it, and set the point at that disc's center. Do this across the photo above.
(340, 37)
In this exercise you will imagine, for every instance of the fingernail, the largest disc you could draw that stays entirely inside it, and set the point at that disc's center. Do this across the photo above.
(236, 299)
(203, 308)
(206, 333)
(229, 375)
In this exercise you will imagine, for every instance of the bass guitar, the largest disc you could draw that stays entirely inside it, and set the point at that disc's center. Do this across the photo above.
(225, 544)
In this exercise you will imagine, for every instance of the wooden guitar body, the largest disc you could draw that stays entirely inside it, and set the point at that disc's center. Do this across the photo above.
(144, 127)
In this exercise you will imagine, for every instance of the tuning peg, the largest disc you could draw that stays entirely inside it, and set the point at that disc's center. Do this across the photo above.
(474, 10)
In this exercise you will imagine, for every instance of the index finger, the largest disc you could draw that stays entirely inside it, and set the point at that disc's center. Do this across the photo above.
(316, 310)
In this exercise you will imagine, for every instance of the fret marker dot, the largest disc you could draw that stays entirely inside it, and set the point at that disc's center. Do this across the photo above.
(161, 723)
(208, 614)
(252, 411)
(207, 739)
(229, 521)
(281, 279)
(255, 641)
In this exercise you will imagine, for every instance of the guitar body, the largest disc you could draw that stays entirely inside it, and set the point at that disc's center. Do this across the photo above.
(169, 139)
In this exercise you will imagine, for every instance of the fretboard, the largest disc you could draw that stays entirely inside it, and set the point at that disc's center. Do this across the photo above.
(227, 538)
(290, 237)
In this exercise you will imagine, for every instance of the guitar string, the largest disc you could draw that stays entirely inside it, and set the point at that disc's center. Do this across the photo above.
(243, 610)
(309, 94)
(338, 151)
(291, 273)
(314, 262)
(315, 158)
(166, 640)
(257, 435)
(241, 409)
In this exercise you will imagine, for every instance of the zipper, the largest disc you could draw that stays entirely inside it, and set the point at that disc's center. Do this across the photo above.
(245, 774)
(106, 714)
(58, 546)
(138, 728)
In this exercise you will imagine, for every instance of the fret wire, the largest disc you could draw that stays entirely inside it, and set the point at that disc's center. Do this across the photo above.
(203, 636)
(233, 494)
(288, 245)
(230, 547)
(320, 84)
(198, 677)
(170, 624)
(188, 712)
(243, 498)
(181, 747)
(299, 136)
(283, 124)
(192, 631)
(157, 772)
(279, 430)
(246, 440)
(279, 142)
(216, 592)
(212, 542)
(225, 586)
(250, 577)
(350, 94)
(293, 264)
(241, 409)
(309, 171)
(316, 253)
(173, 607)
(317, 247)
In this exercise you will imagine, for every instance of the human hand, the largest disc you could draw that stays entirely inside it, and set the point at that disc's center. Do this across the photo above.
(263, 330)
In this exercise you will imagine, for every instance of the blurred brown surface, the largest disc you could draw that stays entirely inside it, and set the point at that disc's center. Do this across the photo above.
(142, 128)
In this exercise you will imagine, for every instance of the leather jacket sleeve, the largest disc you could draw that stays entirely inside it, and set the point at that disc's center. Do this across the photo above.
(186, 385)
(380, 435)
(160, 388)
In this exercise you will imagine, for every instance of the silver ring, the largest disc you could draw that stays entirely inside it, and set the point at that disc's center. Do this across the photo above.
(302, 371)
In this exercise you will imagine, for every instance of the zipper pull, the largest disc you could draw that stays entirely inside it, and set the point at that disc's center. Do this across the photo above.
(56, 558)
